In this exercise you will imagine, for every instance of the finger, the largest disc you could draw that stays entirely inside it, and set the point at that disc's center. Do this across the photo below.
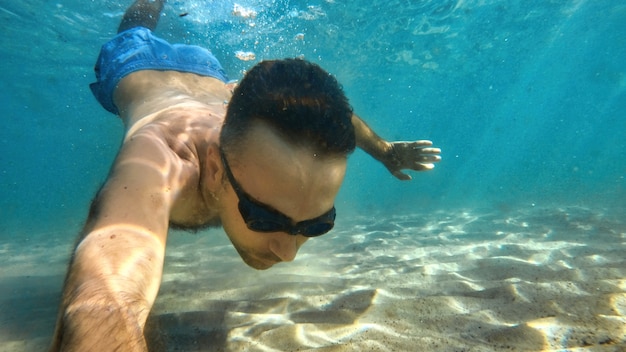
(402, 176)
(430, 150)
(422, 143)
(423, 166)
(430, 159)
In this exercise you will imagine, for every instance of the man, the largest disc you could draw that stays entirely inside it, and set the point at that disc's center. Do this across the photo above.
(265, 162)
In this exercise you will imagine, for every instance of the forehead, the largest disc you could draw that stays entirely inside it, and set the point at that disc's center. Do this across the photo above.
(293, 180)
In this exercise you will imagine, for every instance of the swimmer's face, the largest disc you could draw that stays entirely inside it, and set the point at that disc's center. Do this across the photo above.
(292, 181)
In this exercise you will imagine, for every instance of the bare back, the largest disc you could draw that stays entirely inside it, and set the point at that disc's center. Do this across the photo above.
(175, 117)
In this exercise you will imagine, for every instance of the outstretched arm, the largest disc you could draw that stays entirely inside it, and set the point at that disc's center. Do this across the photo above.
(116, 268)
(396, 156)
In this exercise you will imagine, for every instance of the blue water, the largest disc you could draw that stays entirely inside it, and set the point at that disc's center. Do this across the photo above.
(527, 99)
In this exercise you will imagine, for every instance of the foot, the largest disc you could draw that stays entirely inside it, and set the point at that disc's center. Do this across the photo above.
(142, 13)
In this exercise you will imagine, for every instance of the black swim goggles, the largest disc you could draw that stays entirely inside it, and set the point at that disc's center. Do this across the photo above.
(261, 217)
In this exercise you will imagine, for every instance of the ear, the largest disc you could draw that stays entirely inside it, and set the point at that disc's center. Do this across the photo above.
(213, 169)
(231, 85)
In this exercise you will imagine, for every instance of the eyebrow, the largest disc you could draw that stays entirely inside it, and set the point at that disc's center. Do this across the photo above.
(240, 191)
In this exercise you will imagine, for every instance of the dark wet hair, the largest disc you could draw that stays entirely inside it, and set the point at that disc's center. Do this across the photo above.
(299, 100)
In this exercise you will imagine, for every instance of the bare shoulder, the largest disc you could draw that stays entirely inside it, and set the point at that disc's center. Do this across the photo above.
(162, 154)
(183, 128)
(171, 120)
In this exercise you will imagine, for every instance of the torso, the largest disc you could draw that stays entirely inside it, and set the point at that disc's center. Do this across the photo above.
(187, 111)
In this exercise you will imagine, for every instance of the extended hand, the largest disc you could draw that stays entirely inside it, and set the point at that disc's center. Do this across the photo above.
(410, 155)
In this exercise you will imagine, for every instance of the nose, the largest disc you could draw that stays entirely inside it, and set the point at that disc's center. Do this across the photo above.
(286, 246)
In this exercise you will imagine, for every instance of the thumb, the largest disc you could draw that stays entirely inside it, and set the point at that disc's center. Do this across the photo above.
(401, 176)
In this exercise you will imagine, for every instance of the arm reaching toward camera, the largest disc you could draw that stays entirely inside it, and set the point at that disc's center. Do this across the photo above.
(116, 268)
(396, 156)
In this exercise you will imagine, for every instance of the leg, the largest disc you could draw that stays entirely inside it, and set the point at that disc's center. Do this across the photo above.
(142, 13)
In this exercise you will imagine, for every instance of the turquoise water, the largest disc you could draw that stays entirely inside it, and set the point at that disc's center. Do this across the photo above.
(526, 99)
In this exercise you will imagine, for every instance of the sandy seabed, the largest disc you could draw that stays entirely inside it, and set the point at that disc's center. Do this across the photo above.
(533, 279)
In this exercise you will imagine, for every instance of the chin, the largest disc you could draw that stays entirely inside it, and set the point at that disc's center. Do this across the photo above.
(257, 264)
(262, 266)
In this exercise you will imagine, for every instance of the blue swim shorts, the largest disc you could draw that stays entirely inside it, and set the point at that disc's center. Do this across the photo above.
(138, 49)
